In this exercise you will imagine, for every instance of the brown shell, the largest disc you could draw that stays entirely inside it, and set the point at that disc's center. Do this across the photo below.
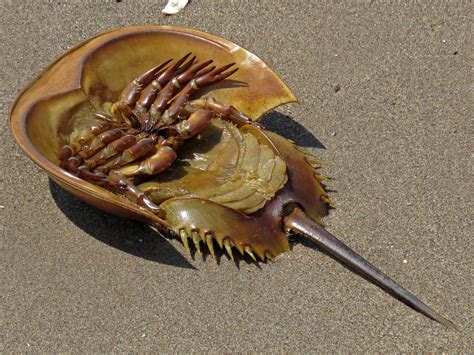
(97, 69)
(91, 75)
(262, 231)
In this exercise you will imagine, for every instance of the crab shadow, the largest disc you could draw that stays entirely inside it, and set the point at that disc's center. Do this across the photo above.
(289, 128)
(128, 236)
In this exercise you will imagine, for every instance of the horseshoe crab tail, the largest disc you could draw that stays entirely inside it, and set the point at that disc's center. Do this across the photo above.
(299, 222)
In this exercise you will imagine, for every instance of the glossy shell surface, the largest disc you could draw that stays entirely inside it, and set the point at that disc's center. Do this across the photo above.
(95, 71)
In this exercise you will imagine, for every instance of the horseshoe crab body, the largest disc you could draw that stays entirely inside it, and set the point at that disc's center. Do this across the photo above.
(238, 186)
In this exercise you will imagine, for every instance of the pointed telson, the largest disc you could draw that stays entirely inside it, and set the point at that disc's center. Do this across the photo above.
(300, 223)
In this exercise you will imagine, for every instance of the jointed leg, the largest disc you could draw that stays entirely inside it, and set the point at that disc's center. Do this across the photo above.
(152, 81)
(226, 112)
(158, 162)
(128, 188)
(167, 93)
(149, 93)
(196, 78)
(111, 154)
(165, 153)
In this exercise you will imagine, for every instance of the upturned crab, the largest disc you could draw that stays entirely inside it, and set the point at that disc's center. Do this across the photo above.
(131, 122)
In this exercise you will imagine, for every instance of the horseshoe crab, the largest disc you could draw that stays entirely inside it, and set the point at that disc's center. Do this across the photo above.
(232, 183)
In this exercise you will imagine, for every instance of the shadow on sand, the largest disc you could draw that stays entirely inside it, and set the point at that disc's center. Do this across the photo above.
(289, 128)
(131, 237)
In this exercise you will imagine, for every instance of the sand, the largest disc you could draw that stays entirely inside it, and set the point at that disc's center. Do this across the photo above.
(385, 101)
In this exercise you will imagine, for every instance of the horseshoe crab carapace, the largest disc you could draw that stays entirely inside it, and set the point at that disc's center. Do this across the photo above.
(231, 183)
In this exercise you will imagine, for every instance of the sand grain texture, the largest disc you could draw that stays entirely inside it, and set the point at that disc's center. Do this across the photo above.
(385, 88)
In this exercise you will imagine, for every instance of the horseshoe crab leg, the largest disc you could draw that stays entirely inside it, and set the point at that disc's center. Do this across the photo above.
(132, 91)
(149, 93)
(299, 222)
(227, 112)
(159, 105)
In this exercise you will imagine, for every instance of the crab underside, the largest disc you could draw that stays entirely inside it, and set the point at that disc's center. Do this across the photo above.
(171, 152)
(178, 146)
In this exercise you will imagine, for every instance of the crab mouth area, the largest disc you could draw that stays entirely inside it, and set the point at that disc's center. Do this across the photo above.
(91, 75)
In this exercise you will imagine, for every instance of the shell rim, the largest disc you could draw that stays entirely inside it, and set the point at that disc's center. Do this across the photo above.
(18, 121)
